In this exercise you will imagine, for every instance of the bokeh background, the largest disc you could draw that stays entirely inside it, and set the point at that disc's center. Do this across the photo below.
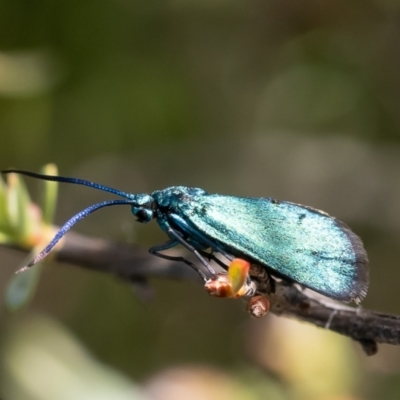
(296, 100)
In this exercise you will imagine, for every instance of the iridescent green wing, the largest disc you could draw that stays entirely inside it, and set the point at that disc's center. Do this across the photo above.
(298, 242)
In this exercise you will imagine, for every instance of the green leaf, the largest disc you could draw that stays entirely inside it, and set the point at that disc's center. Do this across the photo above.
(18, 206)
(3, 207)
(22, 286)
(5, 238)
(25, 227)
(49, 197)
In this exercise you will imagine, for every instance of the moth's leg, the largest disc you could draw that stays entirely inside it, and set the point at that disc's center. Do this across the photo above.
(212, 256)
(196, 235)
(228, 256)
(178, 238)
(155, 250)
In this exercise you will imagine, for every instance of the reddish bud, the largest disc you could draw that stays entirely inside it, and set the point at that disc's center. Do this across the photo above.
(220, 287)
(258, 306)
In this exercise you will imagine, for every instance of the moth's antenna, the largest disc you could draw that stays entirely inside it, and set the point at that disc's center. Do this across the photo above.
(75, 181)
(69, 224)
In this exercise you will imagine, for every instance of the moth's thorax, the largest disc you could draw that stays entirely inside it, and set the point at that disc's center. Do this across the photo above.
(172, 196)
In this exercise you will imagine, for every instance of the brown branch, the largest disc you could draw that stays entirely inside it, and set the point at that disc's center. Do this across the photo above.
(135, 264)
(127, 261)
(364, 326)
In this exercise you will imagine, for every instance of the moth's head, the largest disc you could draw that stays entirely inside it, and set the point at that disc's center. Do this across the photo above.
(144, 208)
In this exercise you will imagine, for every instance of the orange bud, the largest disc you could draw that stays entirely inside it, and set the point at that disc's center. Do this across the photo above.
(237, 273)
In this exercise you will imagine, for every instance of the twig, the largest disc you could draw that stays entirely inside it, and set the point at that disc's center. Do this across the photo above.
(134, 264)
(127, 261)
(364, 326)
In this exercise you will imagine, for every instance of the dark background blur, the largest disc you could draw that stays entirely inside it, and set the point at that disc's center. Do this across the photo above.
(296, 100)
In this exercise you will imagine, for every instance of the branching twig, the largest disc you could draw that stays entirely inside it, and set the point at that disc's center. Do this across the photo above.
(132, 263)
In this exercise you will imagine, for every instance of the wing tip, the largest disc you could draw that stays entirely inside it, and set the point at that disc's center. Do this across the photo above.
(360, 284)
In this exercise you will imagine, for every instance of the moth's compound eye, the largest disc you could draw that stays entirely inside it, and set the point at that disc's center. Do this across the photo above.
(143, 215)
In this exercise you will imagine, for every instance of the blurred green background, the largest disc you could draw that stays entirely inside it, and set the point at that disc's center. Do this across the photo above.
(296, 100)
